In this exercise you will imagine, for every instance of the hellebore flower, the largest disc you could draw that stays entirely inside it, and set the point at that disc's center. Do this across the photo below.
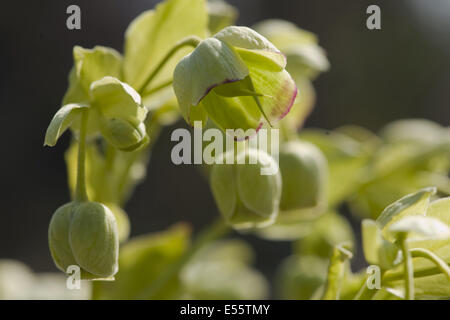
(115, 108)
(246, 199)
(85, 234)
(237, 78)
(304, 174)
(306, 60)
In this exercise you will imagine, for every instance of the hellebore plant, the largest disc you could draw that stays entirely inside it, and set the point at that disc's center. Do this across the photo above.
(185, 59)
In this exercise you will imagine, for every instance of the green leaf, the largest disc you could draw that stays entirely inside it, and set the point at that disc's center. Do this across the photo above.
(441, 247)
(413, 131)
(440, 209)
(222, 270)
(151, 36)
(61, 122)
(141, 261)
(324, 234)
(306, 58)
(413, 204)
(426, 288)
(93, 64)
(300, 276)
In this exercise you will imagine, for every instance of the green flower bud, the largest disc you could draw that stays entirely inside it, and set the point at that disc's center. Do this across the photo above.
(246, 198)
(85, 234)
(304, 174)
(123, 134)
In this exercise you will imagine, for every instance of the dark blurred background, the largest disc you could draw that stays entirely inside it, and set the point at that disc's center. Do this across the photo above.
(401, 71)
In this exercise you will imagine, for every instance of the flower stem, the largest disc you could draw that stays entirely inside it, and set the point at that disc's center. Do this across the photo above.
(192, 41)
(158, 88)
(365, 293)
(409, 269)
(441, 264)
(211, 233)
(80, 191)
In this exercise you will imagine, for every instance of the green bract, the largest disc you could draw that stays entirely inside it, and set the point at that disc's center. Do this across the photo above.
(245, 197)
(85, 234)
(237, 78)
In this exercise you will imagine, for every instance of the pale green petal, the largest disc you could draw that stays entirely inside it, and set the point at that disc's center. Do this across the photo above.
(115, 99)
(440, 209)
(151, 36)
(93, 64)
(246, 38)
(277, 86)
(224, 189)
(372, 240)
(61, 122)
(424, 226)
(75, 93)
(233, 113)
(213, 63)
(259, 193)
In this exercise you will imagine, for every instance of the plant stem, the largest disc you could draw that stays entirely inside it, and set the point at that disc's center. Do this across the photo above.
(409, 269)
(441, 264)
(80, 191)
(160, 87)
(192, 41)
(211, 233)
(365, 293)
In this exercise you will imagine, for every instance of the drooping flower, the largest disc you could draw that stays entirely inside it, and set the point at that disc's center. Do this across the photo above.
(238, 79)
(246, 198)
(116, 110)
(85, 234)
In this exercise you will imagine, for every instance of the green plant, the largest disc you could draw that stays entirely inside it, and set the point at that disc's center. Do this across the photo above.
(183, 60)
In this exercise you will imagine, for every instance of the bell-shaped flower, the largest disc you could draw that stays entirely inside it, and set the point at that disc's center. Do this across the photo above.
(85, 234)
(246, 198)
(238, 79)
(304, 173)
(121, 115)
(115, 108)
